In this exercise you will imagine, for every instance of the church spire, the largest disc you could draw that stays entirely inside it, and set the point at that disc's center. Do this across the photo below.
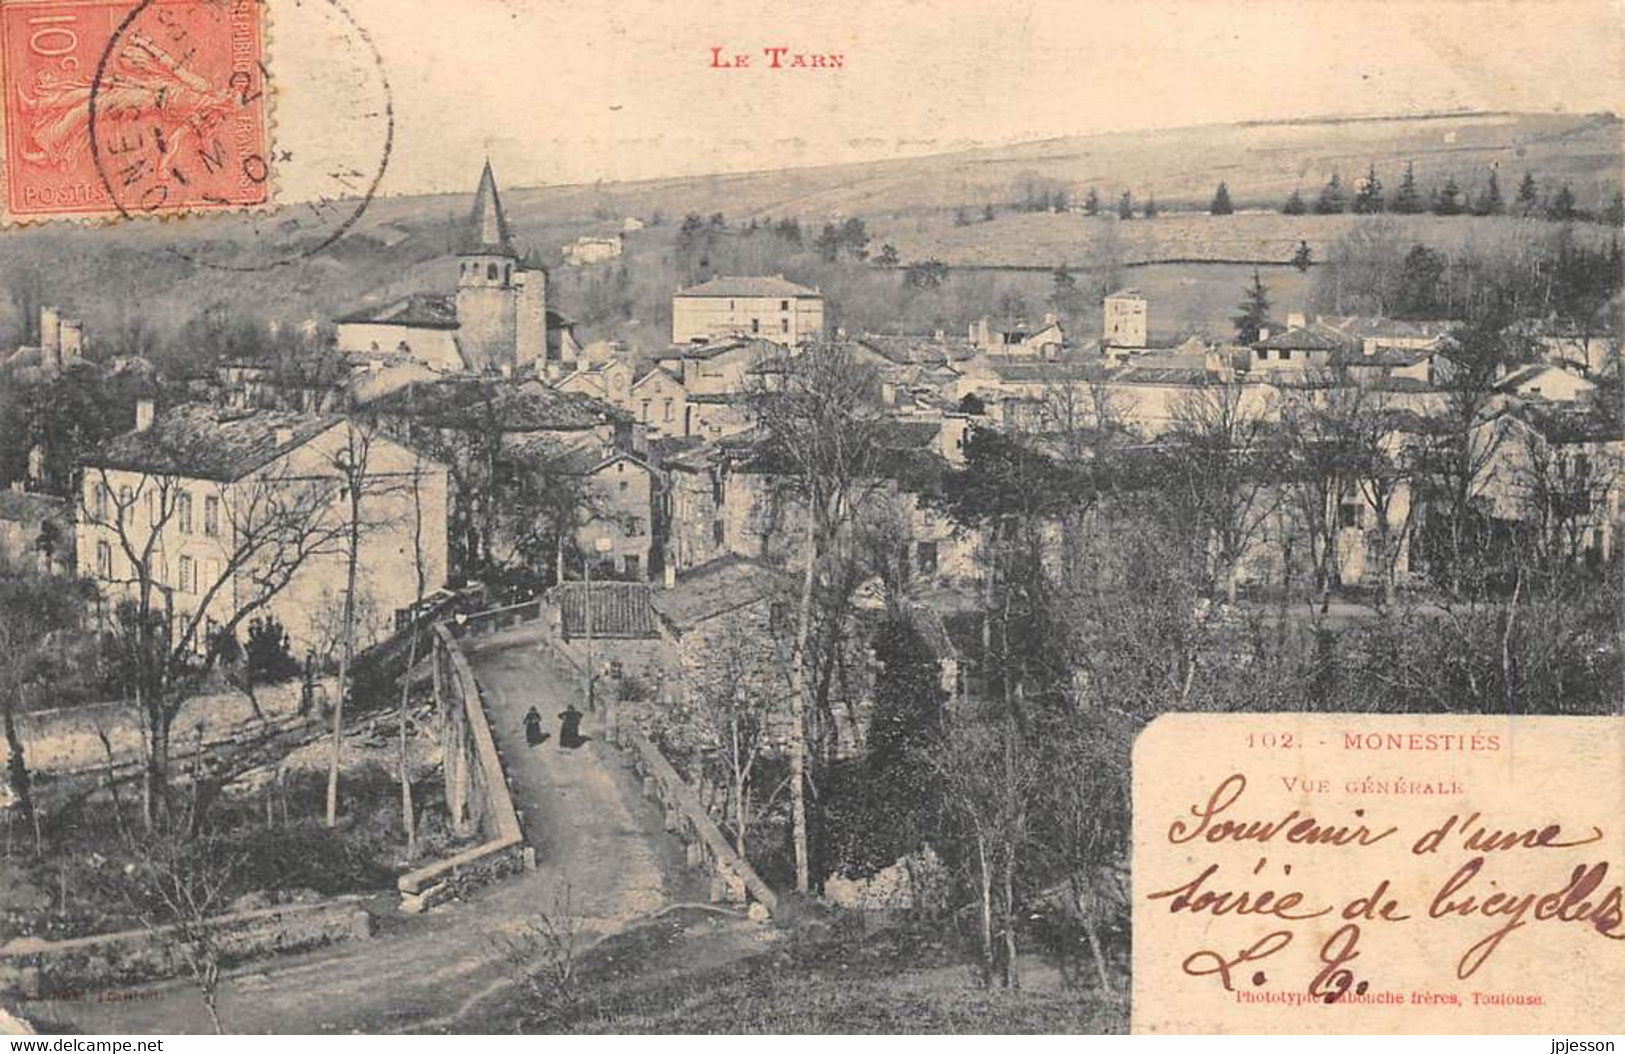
(487, 232)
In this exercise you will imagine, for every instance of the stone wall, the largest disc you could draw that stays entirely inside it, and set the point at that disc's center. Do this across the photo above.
(477, 793)
(733, 879)
(65, 742)
(33, 966)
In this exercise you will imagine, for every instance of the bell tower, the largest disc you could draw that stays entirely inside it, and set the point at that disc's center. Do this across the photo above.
(487, 290)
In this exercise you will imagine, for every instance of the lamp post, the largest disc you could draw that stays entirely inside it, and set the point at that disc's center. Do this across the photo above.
(601, 546)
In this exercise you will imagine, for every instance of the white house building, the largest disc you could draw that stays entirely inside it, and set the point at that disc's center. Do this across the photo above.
(768, 307)
(223, 515)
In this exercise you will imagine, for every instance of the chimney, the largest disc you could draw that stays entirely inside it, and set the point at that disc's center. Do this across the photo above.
(1050, 318)
(1263, 334)
(283, 434)
(50, 329)
(669, 578)
(143, 414)
(1295, 320)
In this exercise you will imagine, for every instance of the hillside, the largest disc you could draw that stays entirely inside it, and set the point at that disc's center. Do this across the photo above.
(1261, 162)
(131, 288)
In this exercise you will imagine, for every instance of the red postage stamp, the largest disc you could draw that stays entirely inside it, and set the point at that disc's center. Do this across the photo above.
(132, 107)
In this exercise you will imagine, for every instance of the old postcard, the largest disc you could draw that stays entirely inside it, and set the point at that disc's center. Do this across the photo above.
(1353, 873)
(883, 516)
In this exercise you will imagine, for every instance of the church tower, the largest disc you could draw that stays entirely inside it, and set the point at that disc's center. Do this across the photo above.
(487, 283)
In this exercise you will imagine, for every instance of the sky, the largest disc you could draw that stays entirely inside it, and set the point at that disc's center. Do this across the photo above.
(574, 91)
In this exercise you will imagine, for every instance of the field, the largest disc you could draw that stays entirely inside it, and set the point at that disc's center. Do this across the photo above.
(1049, 239)
(134, 291)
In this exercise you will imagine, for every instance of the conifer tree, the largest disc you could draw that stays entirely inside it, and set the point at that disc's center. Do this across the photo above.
(1368, 199)
(1407, 200)
(1448, 201)
(1561, 208)
(1254, 312)
(1528, 199)
(1489, 203)
(1294, 204)
(1221, 205)
(1332, 199)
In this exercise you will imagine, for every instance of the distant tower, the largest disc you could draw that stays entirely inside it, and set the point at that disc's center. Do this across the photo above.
(1127, 320)
(487, 292)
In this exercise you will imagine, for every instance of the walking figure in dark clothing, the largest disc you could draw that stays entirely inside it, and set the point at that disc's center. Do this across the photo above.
(533, 727)
(570, 735)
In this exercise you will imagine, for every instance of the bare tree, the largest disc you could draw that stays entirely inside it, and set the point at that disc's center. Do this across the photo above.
(1562, 476)
(734, 699)
(1220, 471)
(361, 488)
(543, 954)
(990, 778)
(1460, 446)
(408, 815)
(267, 525)
(822, 422)
(1330, 433)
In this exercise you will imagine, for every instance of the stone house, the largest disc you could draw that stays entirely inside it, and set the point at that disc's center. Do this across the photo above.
(660, 403)
(719, 367)
(1294, 349)
(215, 502)
(1559, 471)
(1018, 339)
(606, 379)
(765, 307)
(1545, 382)
(587, 250)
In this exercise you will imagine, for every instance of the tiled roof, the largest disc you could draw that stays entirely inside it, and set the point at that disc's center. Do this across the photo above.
(1365, 327)
(711, 349)
(1384, 357)
(619, 609)
(1299, 340)
(1023, 372)
(748, 286)
(716, 588)
(206, 442)
(477, 403)
(1164, 375)
(418, 311)
(684, 453)
(895, 434)
(1524, 374)
(906, 349)
(652, 373)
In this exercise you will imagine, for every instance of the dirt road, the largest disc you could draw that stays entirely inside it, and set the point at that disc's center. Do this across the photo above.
(602, 855)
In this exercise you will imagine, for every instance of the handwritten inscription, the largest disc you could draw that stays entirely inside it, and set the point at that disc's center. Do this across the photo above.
(1218, 818)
